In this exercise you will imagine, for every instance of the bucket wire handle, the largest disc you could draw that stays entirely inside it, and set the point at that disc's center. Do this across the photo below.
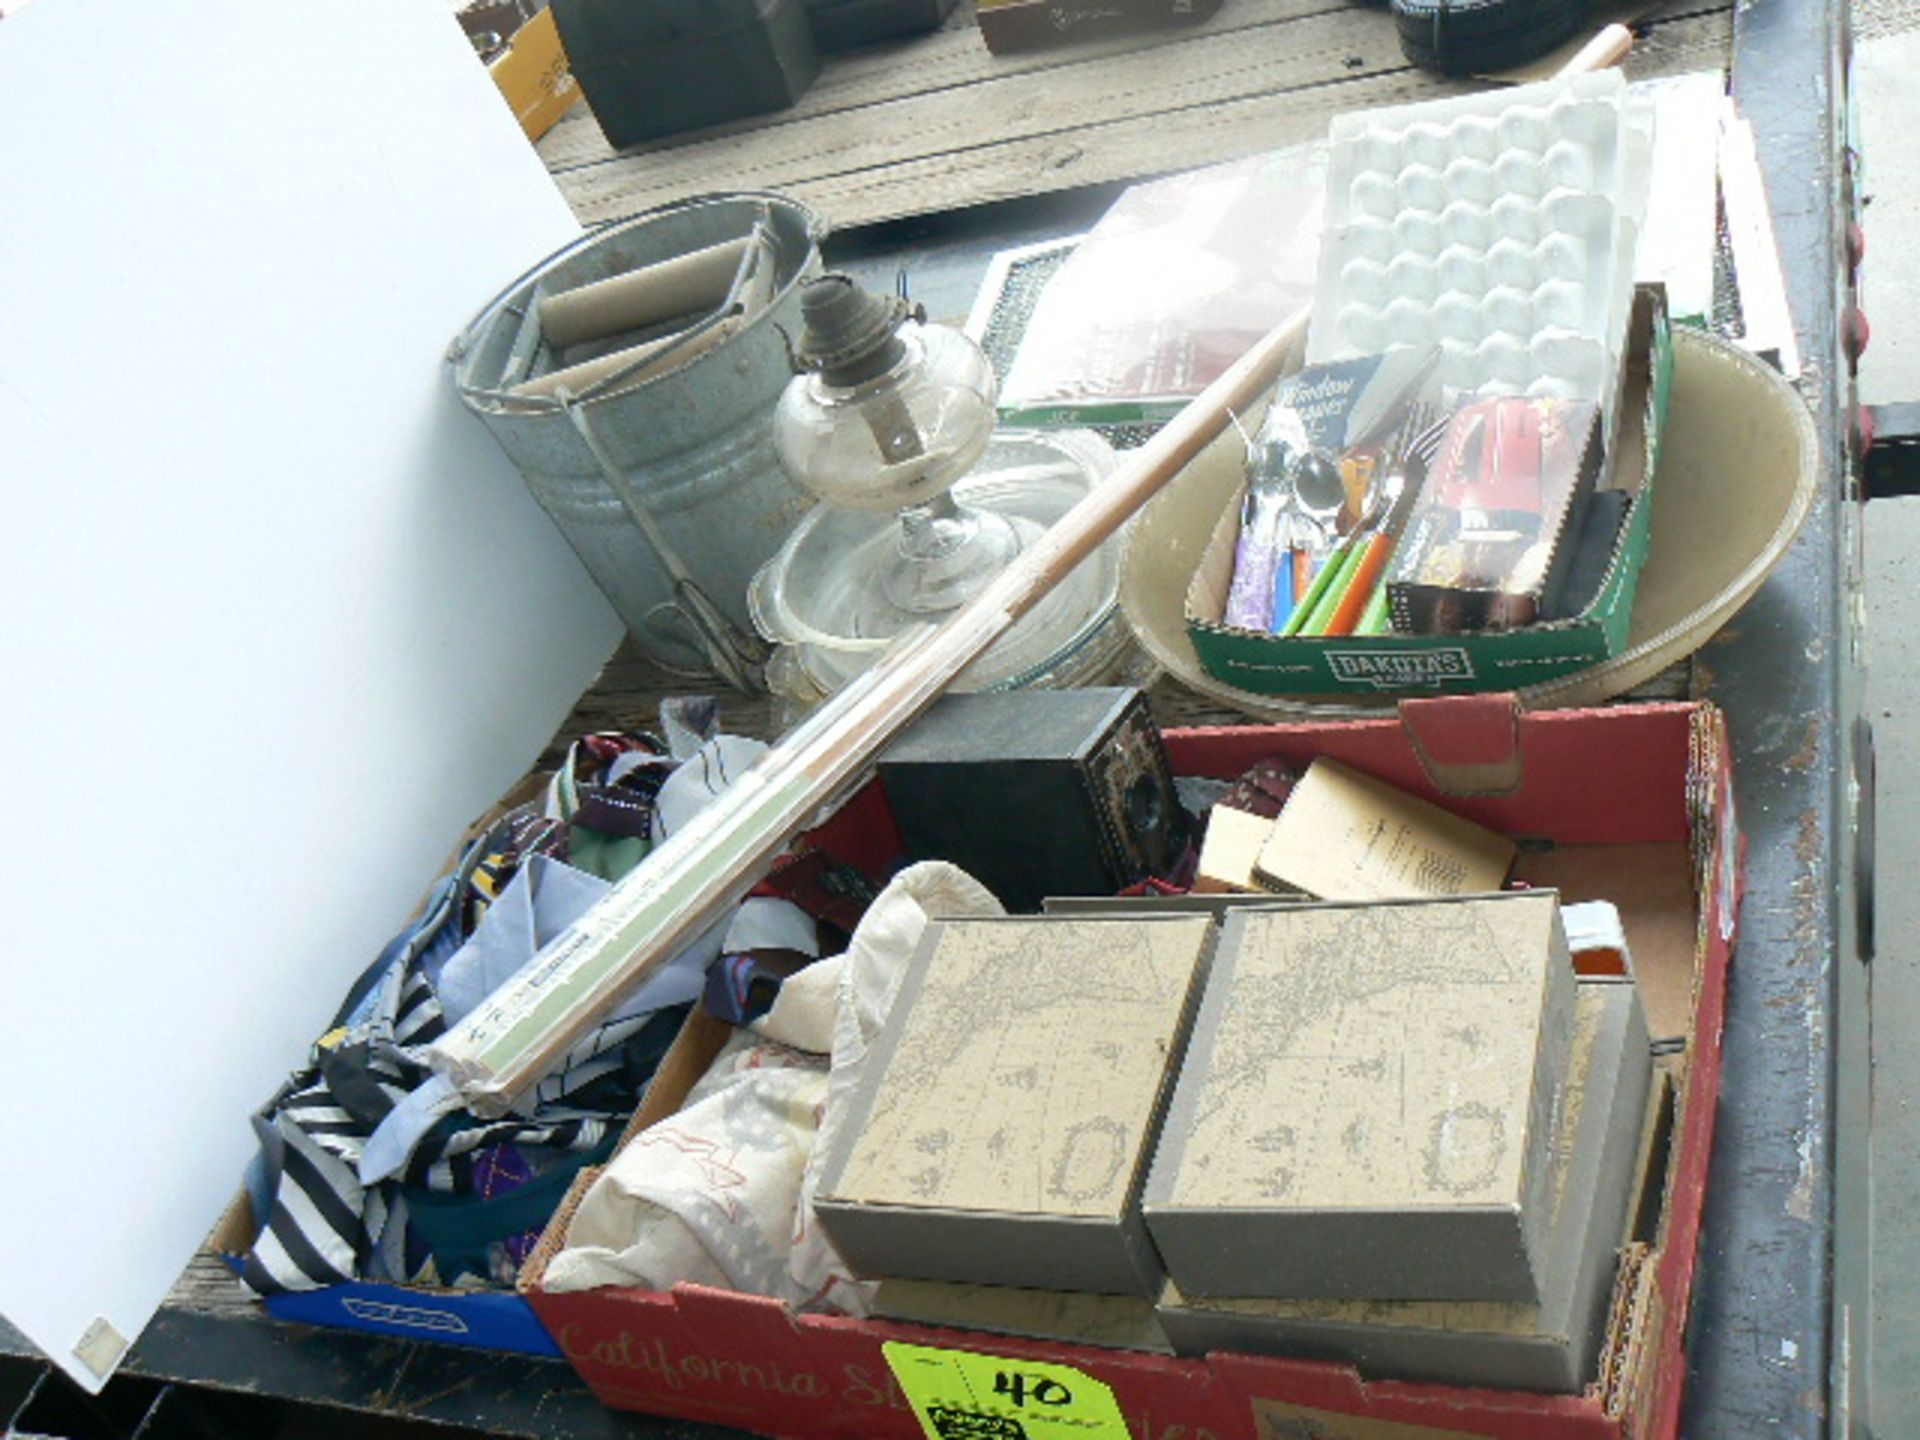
(671, 615)
(737, 658)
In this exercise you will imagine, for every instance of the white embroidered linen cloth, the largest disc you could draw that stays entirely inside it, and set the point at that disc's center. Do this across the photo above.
(721, 1192)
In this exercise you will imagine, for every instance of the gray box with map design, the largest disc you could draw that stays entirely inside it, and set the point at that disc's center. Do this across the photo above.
(1367, 1107)
(1553, 1346)
(1001, 1132)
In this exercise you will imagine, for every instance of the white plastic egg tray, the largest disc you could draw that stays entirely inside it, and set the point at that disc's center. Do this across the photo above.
(1500, 227)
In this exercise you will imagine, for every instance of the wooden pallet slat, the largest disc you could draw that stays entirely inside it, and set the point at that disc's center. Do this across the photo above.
(952, 58)
(1085, 120)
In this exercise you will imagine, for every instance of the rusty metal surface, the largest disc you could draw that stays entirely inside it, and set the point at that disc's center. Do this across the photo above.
(1761, 1337)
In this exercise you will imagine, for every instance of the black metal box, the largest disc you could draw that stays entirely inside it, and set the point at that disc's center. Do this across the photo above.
(653, 67)
(1038, 792)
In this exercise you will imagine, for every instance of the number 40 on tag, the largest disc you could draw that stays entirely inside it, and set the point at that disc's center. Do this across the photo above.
(959, 1395)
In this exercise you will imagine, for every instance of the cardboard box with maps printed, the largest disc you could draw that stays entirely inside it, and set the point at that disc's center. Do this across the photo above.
(1551, 1346)
(1367, 1105)
(1004, 1123)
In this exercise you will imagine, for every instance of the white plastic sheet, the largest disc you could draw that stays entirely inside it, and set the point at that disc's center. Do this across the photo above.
(280, 617)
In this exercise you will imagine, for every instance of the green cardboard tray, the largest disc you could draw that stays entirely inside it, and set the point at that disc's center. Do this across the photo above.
(1398, 665)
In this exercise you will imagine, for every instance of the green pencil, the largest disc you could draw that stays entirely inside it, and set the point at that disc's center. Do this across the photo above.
(1342, 565)
(1373, 620)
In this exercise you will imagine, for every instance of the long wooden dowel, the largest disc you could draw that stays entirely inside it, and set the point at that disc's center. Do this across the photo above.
(1607, 48)
(522, 1032)
(502, 1048)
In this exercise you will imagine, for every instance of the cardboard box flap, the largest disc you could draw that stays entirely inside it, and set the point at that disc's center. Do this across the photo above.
(1467, 744)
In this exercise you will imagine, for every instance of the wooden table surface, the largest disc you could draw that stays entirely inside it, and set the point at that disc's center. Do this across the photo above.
(937, 123)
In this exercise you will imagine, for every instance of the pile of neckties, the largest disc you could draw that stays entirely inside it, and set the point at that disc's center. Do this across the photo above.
(369, 1168)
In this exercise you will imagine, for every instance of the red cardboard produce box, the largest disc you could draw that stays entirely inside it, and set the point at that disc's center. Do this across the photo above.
(1633, 804)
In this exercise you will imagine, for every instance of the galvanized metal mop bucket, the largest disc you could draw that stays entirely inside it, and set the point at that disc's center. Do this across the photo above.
(650, 444)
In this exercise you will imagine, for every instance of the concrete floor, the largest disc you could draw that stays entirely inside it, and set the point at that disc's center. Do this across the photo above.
(1889, 109)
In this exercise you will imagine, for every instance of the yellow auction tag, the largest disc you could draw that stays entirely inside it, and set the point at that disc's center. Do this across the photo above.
(962, 1396)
